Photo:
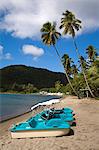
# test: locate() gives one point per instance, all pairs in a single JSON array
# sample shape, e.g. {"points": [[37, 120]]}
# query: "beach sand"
{"points": [[85, 136]]}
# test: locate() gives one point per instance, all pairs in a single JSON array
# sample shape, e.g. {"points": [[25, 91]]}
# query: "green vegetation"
{"points": [[80, 80], [23, 79], [92, 73], [91, 68]]}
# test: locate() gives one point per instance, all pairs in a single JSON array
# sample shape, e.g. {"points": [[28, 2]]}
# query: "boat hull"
{"points": [[39, 133]]}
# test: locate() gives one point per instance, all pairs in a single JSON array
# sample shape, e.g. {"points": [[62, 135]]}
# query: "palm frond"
{"points": [[69, 21], [49, 33]]}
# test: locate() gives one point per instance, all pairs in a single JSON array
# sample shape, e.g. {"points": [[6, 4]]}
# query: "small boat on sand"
{"points": [[50, 122], [53, 113], [33, 128]]}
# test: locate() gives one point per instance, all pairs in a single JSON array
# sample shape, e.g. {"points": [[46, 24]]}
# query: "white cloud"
{"points": [[1, 52], [6, 56], [24, 18], [32, 50], [1, 49]]}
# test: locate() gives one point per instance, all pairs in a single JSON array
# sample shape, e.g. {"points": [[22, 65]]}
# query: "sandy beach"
{"points": [[85, 136]]}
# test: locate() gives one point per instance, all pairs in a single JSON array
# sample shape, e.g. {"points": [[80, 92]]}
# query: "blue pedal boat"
{"points": [[35, 128], [53, 113], [64, 110]]}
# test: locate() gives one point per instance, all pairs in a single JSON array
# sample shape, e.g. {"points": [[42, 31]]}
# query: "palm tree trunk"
{"points": [[82, 68], [65, 72]]}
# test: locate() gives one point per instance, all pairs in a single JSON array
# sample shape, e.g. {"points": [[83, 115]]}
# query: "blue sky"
{"points": [[20, 41]]}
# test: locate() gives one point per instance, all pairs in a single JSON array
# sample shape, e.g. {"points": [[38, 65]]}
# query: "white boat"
{"points": [[32, 128]]}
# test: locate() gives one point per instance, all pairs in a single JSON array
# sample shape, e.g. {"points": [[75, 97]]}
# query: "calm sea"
{"points": [[15, 104]]}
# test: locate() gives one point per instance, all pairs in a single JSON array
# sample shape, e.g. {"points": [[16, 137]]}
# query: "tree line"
{"points": [[70, 25]]}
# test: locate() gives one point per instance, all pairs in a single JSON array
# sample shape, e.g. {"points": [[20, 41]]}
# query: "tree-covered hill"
{"points": [[23, 75]]}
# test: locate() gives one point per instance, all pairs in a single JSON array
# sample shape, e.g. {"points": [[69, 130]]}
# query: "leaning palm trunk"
{"points": [[65, 72], [83, 69]]}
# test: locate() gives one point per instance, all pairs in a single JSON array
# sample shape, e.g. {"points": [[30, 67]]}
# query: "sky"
{"points": [[20, 37]]}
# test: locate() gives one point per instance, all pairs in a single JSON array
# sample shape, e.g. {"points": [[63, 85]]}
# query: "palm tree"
{"points": [[74, 70], [71, 25], [92, 54], [49, 37], [67, 63], [83, 62]]}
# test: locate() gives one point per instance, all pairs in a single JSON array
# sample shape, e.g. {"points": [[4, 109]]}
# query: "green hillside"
{"points": [[16, 76]]}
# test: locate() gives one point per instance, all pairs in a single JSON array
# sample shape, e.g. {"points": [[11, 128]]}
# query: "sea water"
{"points": [[12, 105]]}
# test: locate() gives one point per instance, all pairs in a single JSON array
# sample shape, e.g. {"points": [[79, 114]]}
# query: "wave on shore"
{"points": [[50, 102]]}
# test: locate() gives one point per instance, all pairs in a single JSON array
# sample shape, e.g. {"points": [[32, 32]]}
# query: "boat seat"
{"points": [[48, 116], [45, 117], [33, 123], [58, 111]]}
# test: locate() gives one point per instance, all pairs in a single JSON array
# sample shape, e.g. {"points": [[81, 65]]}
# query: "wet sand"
{"points": [[85, 136]]}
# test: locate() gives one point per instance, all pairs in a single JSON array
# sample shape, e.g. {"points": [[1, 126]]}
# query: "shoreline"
{"points": [[85, 132], [55, 94], [37, 105], [18, 93], [15, 116]]}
